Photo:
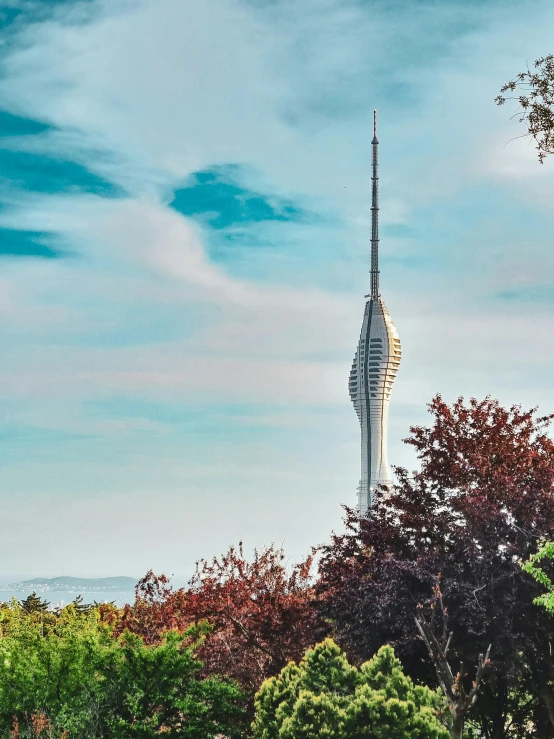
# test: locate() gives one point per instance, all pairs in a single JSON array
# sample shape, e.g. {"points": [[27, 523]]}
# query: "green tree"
{"points": [[68, 672], [81, 607], [545, 551], [326, 697], [155, 689], [50, 665]]}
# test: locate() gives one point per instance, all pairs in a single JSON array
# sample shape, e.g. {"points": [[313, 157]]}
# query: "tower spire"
{"points": [[374, 273], [374, 369]]}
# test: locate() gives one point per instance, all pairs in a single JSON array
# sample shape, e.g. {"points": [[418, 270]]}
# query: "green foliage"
{"points": [[545, 551], [81, 607], [155, 689], [49, 664], [68, 671], [326, 697], [536, 100]]}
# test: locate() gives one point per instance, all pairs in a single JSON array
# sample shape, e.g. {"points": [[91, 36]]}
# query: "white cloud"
{"points": [[166, 86]]}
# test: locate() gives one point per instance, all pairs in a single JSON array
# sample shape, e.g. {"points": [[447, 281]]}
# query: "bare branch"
{"points": [[459, 701]]}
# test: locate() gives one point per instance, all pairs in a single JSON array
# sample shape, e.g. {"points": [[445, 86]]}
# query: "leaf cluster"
{"points": [[536, 100], [325, 696], [260, 609], [545, 551]]}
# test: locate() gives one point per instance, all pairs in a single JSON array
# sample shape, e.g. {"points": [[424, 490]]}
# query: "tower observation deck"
{"points": [[375, 365]]}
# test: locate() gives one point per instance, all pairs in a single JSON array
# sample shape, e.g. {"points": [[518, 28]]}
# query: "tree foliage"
{"points": [[477, 507], [48, 665], [153, 690], [545, 551], [33, 604], [68, 672], [325, 696], [536, 100], [260, 612], [158, 608]]}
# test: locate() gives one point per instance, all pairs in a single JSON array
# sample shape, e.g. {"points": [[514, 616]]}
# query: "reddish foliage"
{"points": [[109, 614], [157, 608], [483, 497], [483, 452], [39, 725], [262, 613]]}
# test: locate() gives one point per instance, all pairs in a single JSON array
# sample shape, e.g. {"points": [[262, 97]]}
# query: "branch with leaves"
{"points": [[545, 551], [437, 640], [536, 100]]}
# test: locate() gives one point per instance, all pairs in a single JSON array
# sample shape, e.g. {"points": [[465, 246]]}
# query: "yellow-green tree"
{"points": [[325, 697], [545, 551]]}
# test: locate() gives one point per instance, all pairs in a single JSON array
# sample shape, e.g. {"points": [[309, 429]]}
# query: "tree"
{"points": [[72, 674], [545, 551], [459, 700], [158, 608], [80, 606], [480, 502], [261, 612], [49, 667], [325, 696], [537, 103], [156, 690], [33, 604]]}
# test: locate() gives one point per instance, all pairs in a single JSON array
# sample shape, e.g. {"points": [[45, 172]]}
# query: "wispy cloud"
{"points": [[201, 171]]}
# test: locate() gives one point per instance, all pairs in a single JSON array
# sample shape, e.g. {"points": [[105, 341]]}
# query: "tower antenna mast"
{"points": [[374, 273], [374, 368]]}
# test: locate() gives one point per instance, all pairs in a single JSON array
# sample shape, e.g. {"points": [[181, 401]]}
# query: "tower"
{"points": [[375, 365]]}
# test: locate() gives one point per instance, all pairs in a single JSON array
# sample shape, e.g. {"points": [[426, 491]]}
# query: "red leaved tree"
{"points": [[483, 497], [157, 608], [261, 611]]}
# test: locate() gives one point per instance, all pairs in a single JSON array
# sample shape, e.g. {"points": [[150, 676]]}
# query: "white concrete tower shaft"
{"points": [[374, 367]]}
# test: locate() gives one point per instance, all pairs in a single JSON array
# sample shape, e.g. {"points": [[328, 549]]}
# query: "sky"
{"points": [[184, 228]]}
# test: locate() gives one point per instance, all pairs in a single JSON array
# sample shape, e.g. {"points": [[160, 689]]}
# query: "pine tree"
{"points": [[81, 607], [326, 697], [33, 604]]}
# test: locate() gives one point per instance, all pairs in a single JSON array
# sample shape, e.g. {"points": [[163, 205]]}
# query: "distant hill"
{"points": [[72, 584]]}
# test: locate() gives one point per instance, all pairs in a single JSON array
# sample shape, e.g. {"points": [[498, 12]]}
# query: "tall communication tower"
{"points": [[375, 365]]}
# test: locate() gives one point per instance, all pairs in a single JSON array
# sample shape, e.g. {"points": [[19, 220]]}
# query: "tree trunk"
{"points": [[499, 726], [457, 728], [548, 700], [543, 722], [498, 710]]}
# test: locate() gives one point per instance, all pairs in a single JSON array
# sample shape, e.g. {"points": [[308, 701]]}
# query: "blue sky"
{"points": [[184, 232]]}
